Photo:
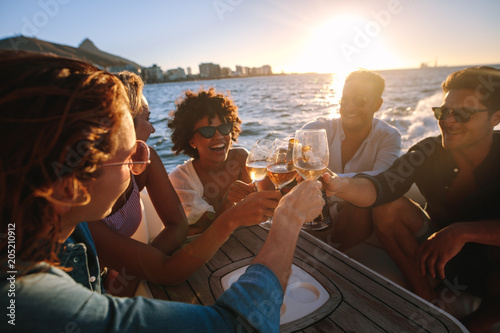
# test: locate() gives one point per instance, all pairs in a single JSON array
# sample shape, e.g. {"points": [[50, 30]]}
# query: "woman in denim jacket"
{"points": [[73, 165]]}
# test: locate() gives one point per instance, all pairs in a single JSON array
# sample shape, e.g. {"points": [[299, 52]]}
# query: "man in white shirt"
{"points": [[358, 143]]}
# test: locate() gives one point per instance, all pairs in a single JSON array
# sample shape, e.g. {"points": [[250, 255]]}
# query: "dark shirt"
{"points": [[433, 169]]}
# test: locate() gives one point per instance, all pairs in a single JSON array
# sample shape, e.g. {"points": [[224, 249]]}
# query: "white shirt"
{"points": [[189, 188], [377, 152]]}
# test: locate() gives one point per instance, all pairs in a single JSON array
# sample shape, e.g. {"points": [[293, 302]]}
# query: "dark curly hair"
{"points": [[192, 108]]}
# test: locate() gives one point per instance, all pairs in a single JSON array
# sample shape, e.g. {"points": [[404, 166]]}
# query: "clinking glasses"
{"points": [[462, 115], [209, 131], [359, 100], [139, 159]]}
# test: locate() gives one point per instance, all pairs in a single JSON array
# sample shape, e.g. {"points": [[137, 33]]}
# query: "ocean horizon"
{"points": [[275, 106]]}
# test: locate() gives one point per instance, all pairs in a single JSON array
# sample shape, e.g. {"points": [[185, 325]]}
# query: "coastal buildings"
{"points": [[152, 74], [208, 70], [175, 74]]}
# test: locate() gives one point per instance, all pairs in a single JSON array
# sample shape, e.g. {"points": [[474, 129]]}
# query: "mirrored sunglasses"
{"points": [[462, 115], [209, 131], [359, 101], [139, 159]]}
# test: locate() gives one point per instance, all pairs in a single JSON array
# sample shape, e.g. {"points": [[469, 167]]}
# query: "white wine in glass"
{"points": [[281, 174], [310, 158], [256, 163], [280, 168]]}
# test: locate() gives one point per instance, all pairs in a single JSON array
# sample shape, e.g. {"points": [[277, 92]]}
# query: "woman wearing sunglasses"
{"points": [[72, 167], [214, 180]]}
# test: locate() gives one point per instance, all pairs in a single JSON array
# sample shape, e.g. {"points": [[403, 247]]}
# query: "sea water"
{"points": [[275, 106]]}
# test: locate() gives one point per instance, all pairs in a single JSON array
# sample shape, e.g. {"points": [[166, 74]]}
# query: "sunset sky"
{"points": [[322, 36]]}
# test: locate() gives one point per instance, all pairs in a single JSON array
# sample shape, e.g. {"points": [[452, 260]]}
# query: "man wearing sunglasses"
{"points": [[456, 240], [358, 142]]}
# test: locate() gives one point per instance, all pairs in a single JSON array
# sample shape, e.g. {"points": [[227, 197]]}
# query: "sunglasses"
{"points": [[462, 115], [139, 159], [359, 101], [209, 131]]}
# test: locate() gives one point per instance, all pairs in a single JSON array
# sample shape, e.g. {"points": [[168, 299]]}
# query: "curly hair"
{"points": [[58, 117], [192, 108]]}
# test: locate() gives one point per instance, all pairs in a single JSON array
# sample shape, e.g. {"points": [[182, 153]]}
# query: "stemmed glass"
{"points": [[256, 161], [310, 158], [280, 168]]}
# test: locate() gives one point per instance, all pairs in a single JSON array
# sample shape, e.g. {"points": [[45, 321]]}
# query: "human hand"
{"points": [[302, 204], [255, 208], [433, 254], [331, 182], [238, 191], [265, 184]]}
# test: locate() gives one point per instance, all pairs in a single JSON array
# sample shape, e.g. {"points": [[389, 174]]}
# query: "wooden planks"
{"points": [[360, 300]]}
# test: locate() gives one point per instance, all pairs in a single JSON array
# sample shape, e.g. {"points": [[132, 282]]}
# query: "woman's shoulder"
{"points": [[237, 159], [238, 153]]}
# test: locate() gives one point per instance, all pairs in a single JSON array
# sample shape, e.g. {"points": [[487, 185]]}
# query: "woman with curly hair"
{"points": [[214, 181]]}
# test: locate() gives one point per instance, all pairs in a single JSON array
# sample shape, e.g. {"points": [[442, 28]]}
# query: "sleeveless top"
{"points": [[127, 219]]}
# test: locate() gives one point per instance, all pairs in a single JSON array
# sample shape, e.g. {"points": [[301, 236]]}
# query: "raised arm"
{"points": [[357, 191], [135, 259], [302, 204]]}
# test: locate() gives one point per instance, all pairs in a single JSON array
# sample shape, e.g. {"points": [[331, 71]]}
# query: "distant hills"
{"points": [[87, 51]]}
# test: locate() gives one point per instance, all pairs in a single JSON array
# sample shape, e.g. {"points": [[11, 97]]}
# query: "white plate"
{"points": [[303, 295]]}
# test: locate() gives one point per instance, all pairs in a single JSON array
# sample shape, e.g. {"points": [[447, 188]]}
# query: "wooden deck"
{"points": [[360, 300]]}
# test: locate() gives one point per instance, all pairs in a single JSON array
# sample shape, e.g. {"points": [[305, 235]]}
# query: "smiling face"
{"points": [[354, 117], [214, 149], [469, 135]]}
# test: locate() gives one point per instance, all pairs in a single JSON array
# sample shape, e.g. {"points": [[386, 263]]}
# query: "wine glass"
{"points": [[280, 168], [256, 161], [310, 158]]}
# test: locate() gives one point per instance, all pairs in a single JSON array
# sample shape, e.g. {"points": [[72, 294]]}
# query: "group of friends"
{"points": [[70, 198]]}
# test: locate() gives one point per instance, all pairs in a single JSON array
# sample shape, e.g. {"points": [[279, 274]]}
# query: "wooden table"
{"points": [[360, 300]]}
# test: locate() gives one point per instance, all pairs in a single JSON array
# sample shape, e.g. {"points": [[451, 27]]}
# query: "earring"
{"points": [[194, 147]]}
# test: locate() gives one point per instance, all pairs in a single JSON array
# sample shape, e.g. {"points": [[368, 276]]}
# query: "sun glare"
{"points": [[343, 44]]}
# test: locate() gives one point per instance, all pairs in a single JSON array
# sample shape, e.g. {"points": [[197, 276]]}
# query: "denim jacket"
{"points": [[49, 300], [82, 258]]}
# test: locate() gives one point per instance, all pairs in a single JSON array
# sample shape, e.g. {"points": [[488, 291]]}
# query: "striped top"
{"points": [[127, 219]]}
